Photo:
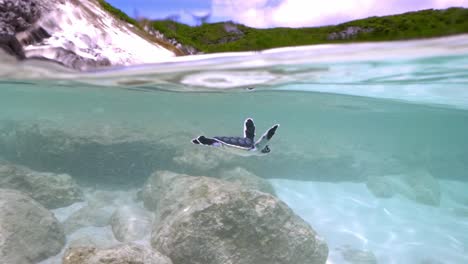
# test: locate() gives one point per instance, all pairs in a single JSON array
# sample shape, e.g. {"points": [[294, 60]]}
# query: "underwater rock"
{"points": [[356, 256], [371, 163], [207, 220], [381, 186], [201, 159], [121, 254], [425, 187], [455, 191], [459, 211], [121, 156], [101, 198], [419, 186], [101, 206], [91, 215], [149, 193], [29, 233], [99, 237], [51, 190], [247, 179], [64, 212], [123, 159], [430, 261], [130, 223], [327, 168]]}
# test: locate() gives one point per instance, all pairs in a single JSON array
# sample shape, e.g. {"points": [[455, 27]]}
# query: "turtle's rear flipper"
{"points": [[271, 131], [205, 141], [261, 143]]}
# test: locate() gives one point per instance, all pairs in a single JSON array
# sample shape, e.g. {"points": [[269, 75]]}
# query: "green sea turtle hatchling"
{"points": [[244, 146]]}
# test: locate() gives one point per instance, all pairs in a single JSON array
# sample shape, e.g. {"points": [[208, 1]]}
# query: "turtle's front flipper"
{"points": [[249, 129], [205, 141], [261, 143]]}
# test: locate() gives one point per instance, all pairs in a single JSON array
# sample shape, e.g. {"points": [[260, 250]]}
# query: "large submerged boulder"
{"points": [[29, 233], [419, 186], [121, 254], [237, 175], [50, 189], [211, 221]]}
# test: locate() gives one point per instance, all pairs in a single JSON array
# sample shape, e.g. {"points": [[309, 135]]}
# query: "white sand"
{"points": [[396, 230]]}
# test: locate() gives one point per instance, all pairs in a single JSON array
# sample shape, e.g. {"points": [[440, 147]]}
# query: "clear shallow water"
{"points": [[348, 113], [396, 230]]}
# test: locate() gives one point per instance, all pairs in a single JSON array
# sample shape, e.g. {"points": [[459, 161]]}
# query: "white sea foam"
{"points": [[432, 71]]}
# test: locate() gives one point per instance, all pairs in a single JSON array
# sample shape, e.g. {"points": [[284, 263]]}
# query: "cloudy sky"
{"points": [[274, 13]]}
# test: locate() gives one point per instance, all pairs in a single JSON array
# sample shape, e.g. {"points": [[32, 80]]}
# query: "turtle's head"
{"points": [[265, 150]]}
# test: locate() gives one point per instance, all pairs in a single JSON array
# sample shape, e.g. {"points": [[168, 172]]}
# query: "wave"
{"points": [[430, 71]]}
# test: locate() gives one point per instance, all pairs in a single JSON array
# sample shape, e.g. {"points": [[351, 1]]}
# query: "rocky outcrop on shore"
{"points": [[29, 233], [349, 33], [184, 49], [77, 34], [11, 46], [18, 16]]}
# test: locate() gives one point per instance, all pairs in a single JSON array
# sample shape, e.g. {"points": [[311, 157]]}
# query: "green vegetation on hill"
{"points": [[229, 36], [221, 37], [119, 14], [421, 24]]}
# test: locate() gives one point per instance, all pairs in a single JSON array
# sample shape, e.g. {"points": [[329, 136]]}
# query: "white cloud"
{"points": [[294, 13], [301, 13], [254, 13]]}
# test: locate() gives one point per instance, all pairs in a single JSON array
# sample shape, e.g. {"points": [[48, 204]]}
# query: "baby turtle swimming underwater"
{"points": [[244, 146]]}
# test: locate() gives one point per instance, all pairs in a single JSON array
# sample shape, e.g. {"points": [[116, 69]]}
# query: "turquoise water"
{"points": [[348, 114]]}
